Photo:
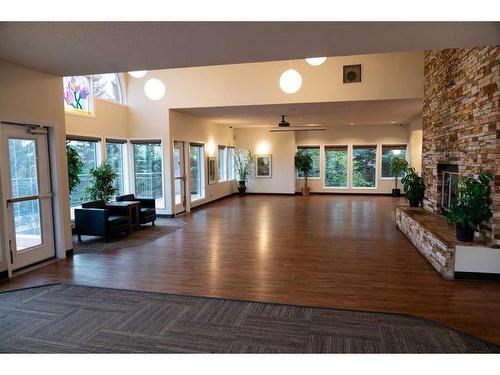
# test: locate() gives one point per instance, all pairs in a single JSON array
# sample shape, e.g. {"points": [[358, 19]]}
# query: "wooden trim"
{"points": [[196, 144], [4, 275], [116, 140], [477, 276], [145, 141], [71, 137]]}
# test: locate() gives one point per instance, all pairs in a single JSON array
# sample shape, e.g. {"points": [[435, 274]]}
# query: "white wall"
{"points": [[33, 97], [186, 128], [281, 147], [415, 136]]}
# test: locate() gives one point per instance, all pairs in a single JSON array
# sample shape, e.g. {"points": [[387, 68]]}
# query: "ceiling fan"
{"points": [[284, 126]]}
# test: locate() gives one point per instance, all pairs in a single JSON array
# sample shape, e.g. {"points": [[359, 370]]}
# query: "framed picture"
{"points": [[264, 166], [212, 170]]}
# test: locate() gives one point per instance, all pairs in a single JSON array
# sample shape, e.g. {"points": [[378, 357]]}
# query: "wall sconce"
{"points": [[210, 148], [262, 148]]}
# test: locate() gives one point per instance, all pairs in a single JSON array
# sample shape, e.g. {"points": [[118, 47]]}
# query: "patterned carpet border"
{"points": [[81, 318]]}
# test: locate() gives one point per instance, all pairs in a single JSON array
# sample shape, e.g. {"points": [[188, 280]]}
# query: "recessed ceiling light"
{"points": [[315, 61], [290, 81], [351, 123], [393, 122], [154, 89], [138, 73]]}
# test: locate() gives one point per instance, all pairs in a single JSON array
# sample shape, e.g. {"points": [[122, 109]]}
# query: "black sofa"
{"points": [[96, 219], [147, 212]]}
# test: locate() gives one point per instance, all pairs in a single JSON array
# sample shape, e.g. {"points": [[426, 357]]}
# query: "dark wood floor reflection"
{"points": [[323, 250]]}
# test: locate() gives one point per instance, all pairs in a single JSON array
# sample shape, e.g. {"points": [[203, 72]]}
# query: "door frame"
{"points": [[56, 142], [183, 178]]}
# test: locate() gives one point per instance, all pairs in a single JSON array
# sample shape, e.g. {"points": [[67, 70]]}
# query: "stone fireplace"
{"points": [[460, 116]]}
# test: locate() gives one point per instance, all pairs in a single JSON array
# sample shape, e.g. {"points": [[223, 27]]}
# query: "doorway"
{"points": [[26, 194], [179, 178]]}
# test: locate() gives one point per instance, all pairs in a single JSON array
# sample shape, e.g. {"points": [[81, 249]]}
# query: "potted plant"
{"points": [[398, 167], [101, 184], [243, 164], [414, 187], [471, 206], [304, 164], [75, 166]]}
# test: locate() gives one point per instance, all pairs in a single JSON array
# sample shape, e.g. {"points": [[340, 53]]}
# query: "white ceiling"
{"points": [[66, 48], [373, 112]]}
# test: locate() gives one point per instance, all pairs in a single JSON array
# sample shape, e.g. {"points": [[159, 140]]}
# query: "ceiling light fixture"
{"points": [[351, 123], [315, 61], [290, 81], [154, 89], [138, 73]]}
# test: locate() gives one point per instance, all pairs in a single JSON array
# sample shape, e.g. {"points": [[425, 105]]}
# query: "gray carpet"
{"points": [[136, 238], [70, 318]]}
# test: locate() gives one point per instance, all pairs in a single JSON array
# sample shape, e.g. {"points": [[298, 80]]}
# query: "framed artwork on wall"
{"points": [[264, 166], [212, 170]]}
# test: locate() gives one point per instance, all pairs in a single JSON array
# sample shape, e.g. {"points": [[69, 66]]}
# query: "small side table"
{"points": [[133, 208]]}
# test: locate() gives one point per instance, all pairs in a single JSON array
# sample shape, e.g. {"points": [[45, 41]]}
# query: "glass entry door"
{"points": [[26, 195], [179, 177]]}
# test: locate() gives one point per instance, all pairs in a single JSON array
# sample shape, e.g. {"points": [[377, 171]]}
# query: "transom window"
{"points": [[108, 87], [312, 151]]}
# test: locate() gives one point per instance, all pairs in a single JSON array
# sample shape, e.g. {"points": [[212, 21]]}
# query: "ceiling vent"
{"points": [[352, 73]]}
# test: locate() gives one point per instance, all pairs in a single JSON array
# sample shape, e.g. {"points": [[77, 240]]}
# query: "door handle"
{"points": [[28, 198]]}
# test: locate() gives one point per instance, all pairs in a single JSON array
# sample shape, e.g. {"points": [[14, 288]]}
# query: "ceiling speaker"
{"points": [[352, 73]]}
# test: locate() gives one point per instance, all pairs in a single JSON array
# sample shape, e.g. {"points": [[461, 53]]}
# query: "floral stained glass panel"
{"points": [[77, 95]]}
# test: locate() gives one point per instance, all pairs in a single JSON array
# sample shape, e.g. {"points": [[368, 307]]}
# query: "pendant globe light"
{"points": [[154, 89], [290, 81], [315, 61], [138, 73]]}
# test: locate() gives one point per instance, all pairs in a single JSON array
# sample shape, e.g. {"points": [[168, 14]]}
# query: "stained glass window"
{"points": [[77, 95]]}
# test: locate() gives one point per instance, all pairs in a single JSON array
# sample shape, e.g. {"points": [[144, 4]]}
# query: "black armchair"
{"points": [[95, 219], [147, 212]]}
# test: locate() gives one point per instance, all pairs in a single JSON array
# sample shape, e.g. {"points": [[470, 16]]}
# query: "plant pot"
{"points": [[396, 193], [464, 234], [306, 190], [242, 188], [414, 202]]}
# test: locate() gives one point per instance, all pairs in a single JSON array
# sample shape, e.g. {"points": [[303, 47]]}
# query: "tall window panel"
{"points": [[388, 154], [336, 166], [148, 169], [313, 151], [115, 152], [196, 171], [230, 163], [364, 166], [222, 163], [88, 153]]}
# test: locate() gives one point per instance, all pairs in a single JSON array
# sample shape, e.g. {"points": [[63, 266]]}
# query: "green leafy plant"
{"points": [[75, 165], [243, 164], [472, 202], [101, 184], [398, 167], [413, 185], [304, 164]]}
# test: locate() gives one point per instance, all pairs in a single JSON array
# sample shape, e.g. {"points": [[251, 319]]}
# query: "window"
{"points": [[108, 87], [87, 150], [78, 95], [115, 157], [388, 154], [336, 166], [230, 163], [148, 169], [222, 166], [363, 166], [196, 171], [313, 151]]}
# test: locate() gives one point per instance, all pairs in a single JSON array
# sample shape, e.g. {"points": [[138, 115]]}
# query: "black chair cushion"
{"points": [[127, 197], [94, 204], [147, 211], [117, 220]]}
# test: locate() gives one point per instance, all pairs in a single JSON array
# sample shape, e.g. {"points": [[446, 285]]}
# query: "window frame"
{"points": [[132, 187], [202, 172], [230, 176], [121, 83], [224, 161], [124, 157], [348, 169], [299, 147], [357, 145], [382, 154]]}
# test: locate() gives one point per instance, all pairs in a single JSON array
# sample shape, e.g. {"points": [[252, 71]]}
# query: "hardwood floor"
{"points": [[324, 250]]}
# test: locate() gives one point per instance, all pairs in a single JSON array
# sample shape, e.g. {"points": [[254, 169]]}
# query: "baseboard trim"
{"points": [[69, 252], [349, 193], [477, 276], [4, 275], [257, 193]]}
